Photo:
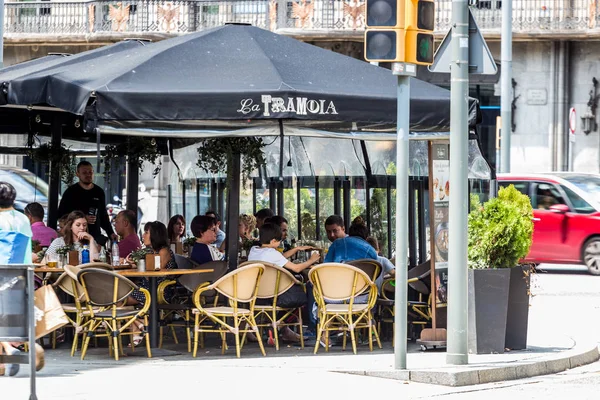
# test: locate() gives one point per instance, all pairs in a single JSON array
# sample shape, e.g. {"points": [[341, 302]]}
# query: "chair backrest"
{"points": [[99, 265], [68, 284], [104, 288], [192, 281], [241, 284], [184, 262], [269, 286], [422, 272], [371, 267], [338, 282]]}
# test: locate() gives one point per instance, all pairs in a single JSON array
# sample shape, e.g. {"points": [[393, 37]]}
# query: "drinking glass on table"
{"points": [[53, 260]]}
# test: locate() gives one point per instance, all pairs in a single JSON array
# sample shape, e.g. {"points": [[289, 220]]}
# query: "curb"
{"points": [[475, 375]]}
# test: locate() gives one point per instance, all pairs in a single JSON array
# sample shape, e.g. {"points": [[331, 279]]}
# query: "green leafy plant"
{"points": [[500, 230], [135, 148], [64, 250], [139, 254], [216, 155], [189, 241], [61, 155]]}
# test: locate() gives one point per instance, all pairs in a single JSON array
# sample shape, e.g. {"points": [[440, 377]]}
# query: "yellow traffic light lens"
{"points": [[381, 13], [381, 45]]}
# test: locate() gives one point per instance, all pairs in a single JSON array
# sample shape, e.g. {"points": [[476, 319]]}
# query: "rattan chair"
{"points": [[238, 286], [183, 305], [76, 312], [274, 282], [109, 290], [337, 282], [371, 267]]}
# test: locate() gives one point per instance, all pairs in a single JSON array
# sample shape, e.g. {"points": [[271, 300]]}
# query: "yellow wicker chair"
{"points": [[67, 282], [341, 283], [239, 286], [108, 290], [183, 307], [274, 282]]}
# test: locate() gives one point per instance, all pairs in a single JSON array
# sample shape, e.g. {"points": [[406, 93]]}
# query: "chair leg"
{"points": [[223, 342], [187, 330], [236, 325], [260, 343], [275, 333], [75, 334], [300, 328], [377, 337], [352, 336], [91, 330], [147, 332], [175, 338], [371, 328], [197, 333], [53, 340], [160, 337]]}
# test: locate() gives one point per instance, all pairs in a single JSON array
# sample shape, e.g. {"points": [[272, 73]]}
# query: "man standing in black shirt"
{"points": [[88, 198]]}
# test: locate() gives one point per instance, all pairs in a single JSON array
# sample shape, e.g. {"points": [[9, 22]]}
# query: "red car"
{"points": [[566, 210]]}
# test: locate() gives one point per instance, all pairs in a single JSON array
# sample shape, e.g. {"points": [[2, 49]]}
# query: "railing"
{"points": [[181, 16]]}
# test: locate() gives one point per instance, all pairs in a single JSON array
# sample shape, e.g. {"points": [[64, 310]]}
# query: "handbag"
{"points": [[49, 314]]}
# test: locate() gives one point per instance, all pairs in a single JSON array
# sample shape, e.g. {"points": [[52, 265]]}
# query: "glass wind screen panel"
{"points": [[190, 203], [325, 207], [478, 166], [382, 156], [379, 218], [290, 205], [358, 198], [314, 157], [308, 213]]}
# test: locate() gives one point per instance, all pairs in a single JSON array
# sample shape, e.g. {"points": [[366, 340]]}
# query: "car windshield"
{"points": [[587, 183], [28, 190]]}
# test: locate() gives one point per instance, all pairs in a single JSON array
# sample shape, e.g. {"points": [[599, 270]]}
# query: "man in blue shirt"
{"points": [[220, 233]]}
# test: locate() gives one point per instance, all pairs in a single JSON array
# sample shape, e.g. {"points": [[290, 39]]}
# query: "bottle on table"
{"points": [[116, 260], [85, 254]]}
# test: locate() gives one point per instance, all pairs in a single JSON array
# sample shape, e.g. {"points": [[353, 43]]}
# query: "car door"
{"points": [[549, 227]]}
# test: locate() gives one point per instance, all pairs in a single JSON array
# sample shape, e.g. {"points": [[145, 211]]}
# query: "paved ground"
{"points": [[565, 314]]}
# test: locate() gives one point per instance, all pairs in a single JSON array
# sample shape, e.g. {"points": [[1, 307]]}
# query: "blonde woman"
{"points": [[246, 226]]}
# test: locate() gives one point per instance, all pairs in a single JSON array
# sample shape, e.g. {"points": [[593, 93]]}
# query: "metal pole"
{"points": [[54, 182], [1, 33], [506, 84], [401, 292], [457, 349], [31, 318]]}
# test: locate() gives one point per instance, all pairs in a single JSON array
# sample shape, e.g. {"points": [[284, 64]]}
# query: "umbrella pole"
{"points": [[233, 210]]}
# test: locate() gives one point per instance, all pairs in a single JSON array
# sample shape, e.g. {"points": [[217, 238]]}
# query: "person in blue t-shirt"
{"points": [[204, 228], [354, 246]]}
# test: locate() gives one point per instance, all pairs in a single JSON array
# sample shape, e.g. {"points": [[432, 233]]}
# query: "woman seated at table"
{"points": [[176, 228], [204, 228], [74, 235], [246, 229]]}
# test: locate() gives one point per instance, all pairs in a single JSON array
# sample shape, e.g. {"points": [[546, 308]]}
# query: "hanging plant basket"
{"points": [[216, 155], [138, 149], [60, 155]]}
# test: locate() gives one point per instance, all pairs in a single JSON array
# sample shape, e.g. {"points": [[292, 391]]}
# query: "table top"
{"points": [[165, 272], [134, 272]]}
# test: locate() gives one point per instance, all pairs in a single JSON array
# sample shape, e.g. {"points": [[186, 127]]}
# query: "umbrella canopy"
{"points": [[233, 72], [31, 77]]}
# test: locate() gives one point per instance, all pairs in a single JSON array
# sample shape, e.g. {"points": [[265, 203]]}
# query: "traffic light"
{"points": [[419, 25], [384, 37], [400, 31]]}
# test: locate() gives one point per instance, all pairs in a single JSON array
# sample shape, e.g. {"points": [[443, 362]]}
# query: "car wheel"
{"points": [[591, 255]]}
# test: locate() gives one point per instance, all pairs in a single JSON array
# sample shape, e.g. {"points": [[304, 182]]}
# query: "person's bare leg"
{"points": [[10, 369]]}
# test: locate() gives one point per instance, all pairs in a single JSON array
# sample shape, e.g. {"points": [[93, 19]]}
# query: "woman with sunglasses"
{"points": [[204, 228]]}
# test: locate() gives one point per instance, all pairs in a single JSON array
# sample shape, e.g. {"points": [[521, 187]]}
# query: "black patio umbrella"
{"points": [[32, 76], [233, 72]]}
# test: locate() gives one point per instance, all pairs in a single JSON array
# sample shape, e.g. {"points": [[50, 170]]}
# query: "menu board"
{"points": [[441, 196]]}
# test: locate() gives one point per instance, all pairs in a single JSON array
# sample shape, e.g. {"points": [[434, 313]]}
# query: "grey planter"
{"points": [[487, 308], [518, 309]]}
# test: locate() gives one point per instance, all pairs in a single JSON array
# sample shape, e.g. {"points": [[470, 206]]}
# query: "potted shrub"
{"points": [[500, 233], [139, 258]]}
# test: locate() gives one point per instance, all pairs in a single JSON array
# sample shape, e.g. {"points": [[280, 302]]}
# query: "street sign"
{"points": [[572, 120], [481, 61]]}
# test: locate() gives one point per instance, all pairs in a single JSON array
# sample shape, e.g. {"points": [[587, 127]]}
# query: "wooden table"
{"points": [[152, 278]]}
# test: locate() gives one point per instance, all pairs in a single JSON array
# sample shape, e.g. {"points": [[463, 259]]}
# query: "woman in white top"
{"points": [[74, 234]]}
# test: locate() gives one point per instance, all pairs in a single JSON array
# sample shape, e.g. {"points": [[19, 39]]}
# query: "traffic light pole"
{"points": [[457, 345], [404, 72]]}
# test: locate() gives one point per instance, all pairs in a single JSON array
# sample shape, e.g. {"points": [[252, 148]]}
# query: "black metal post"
{"points": [[368, 203], [272, 195], [317, 210], [298, 208], [221, 196], [280, 205], [233, 212], [337, 201], [197, 196], [346, 200], [213, 194], [183, 201], [133, 180], [54, 181], [254, 196], [422, 203]]}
